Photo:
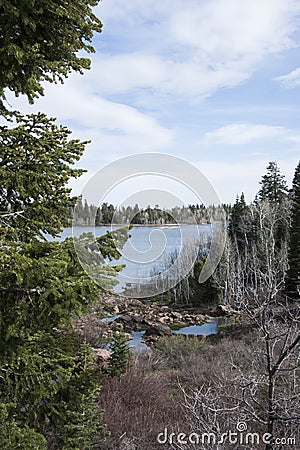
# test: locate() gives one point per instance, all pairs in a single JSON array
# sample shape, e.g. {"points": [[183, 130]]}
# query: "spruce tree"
{"points": [[36, 158], [237, 228], [45, 378], [120, 355], [293, 275], [48, 380], [273, 185], [274, 192], [40, 41]]}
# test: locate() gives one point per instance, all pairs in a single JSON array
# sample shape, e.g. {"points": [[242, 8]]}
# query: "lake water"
{"points": [[149, 249], [207, 328]]}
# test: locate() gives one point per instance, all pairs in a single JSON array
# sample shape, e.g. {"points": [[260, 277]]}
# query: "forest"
{"points": [[237, 389], [106, 214]]}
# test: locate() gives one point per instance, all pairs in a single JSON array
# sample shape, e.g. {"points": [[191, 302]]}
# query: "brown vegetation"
{"points": [[192, 387]]}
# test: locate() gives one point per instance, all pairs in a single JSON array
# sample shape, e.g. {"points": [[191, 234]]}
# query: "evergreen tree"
{"points": [[237, 227], [98, 217], [107, 213], [45, 378], [48, 380], [86, 213], [293, 275], [41, 40], [274, 192], [200, 293], [273, 185], [120, 355], [78, 212], [35, 165]]}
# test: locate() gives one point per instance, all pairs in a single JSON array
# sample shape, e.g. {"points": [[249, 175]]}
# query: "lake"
{"points": [[207, 328], [150, 250]]}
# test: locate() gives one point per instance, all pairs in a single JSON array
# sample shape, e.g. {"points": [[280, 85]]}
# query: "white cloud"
{"points": [[242, 134], [122, 73], [113, 127], [224, 30], [145, 75], [290, 80], [192, 48]]}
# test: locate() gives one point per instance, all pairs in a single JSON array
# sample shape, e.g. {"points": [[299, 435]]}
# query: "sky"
{"points": [[215, 82]]}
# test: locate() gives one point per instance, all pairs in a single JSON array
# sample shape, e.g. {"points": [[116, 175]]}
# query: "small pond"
{"points": [[211, 327]]}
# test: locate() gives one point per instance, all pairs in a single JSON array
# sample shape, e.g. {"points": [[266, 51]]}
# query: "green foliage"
{"points": [[47, 376], [94, 252], [274, 193], [246, 223], [45, 371], [41, 286], [12, 436], [120, 354], [107, 212], [201, 293], [273, 185], [178, 346], [35, 159], [40, 41], [238, 223], [293, 275], [91, 215], [80, 423], [51, 385]]}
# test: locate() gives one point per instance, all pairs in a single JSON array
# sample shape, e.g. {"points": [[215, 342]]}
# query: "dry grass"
{"points": [[190, 387]]}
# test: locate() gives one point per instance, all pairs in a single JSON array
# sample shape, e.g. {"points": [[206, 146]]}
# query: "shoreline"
{"points": [[170, 225]]}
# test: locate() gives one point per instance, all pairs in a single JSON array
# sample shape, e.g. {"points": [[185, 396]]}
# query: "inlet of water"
{"points": [[211, 327]]}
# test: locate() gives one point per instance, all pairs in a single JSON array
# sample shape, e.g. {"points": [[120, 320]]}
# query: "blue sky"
{"points": [[216, 82]]}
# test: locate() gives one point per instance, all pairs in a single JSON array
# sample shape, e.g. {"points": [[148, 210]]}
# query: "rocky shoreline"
{"points": [[128, 315]]}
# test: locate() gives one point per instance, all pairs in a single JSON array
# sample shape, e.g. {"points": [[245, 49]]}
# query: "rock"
{"points": [[200, 319], [223, 310], [134, 303], [126, 318], [116, 310], [137, 319], [150, 318], [102, 355], [164, 319], [158, 329], [128, 336], [115, 326], [189, 319], [147, 323], [176, 315], [165, 308]]}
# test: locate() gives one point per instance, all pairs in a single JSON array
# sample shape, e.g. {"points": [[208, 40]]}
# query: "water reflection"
{"points": [[211, 327]]}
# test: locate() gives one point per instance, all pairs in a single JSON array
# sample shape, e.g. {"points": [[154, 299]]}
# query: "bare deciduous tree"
{"points": [[252, 281]]}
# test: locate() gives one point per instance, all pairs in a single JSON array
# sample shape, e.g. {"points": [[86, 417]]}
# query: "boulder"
{"points": [[126, 318], [223, 310], [200, 319], [128, 336], [158, 329], [165, 308], [137, 319], [176, 315], [134, 303], [116, 310], [164, 319], [101, 355], [188, 319]]}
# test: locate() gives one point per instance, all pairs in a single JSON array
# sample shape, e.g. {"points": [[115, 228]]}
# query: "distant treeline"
{"points": [[90, 215]]}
